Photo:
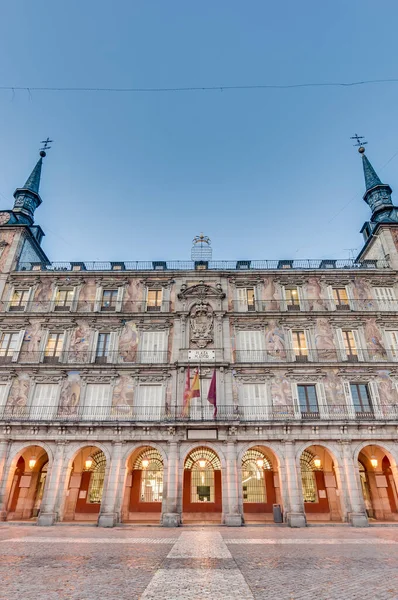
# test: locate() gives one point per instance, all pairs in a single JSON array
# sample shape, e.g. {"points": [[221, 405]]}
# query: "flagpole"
{"points": [[200, 388]]}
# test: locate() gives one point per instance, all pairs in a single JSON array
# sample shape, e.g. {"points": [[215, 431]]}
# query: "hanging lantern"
{"points": [[88, 463], [317, 462], [145, 463], [32, 462], [202, 463], [373, 461], [260, 463]]}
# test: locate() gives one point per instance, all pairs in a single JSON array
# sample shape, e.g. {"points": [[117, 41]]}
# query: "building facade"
{"points": [[97, 360]]}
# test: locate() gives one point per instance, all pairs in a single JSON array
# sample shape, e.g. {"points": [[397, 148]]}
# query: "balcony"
{"points": [[205, 414], [85, 306]]}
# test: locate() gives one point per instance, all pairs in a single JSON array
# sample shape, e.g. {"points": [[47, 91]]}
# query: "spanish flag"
{"points": [[195, 388], [190, 391]]}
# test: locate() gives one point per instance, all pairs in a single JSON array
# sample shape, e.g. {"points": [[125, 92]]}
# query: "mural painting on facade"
{"points": [[19, 393], [281, 394], [317, 295], [30, 349], [324, 342], [6, 240], [270, 295], [275, 341], [374, 341], [363, 294], [123, 395], [128, 343], [394, 234], [133, 297], [387, 389], [334, 392], [42, 299], [87, 296], [79, 343], [70, 394]]}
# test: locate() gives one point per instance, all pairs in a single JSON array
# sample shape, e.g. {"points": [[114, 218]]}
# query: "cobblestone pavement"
{"points": [[261, 563]]}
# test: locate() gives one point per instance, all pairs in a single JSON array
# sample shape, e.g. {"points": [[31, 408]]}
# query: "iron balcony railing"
{"points": [[129, 355], [83, 306], [205, 413], [218, 265]]}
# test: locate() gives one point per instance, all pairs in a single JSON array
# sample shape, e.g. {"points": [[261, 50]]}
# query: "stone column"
{"points": [[356, 511], [233, 518], [108, 517], [171, 517], [296, 515], [3, 479], [48, 515]]}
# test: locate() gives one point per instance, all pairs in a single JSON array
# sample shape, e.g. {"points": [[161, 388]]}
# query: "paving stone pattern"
{"points": [[261, 563]]}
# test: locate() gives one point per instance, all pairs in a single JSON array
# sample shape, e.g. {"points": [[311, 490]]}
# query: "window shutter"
{"points": [[310, 346], [392, 345], [283, 298], [322, 402], [15, 354], [44, 400], [93, 346], [64, 352], [291, 357], [4, 391], [30, 298], [242, 299], [73, 304], [119, 299], [97, 401], [348, 399], [332, 303], [375, 398], [10, 295], [358, 344], [351, 300], [43, 344], [296, 403], [113, 344], [53, 298], [385, 297], [302, 301], [340, 344], [150, 399], [98, 297]]}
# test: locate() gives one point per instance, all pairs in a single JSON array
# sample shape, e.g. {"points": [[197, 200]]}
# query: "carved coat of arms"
{"points": [[201, 322]]}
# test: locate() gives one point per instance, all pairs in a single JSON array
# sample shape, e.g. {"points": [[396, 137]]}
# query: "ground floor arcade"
{"points": [[177, 482]]}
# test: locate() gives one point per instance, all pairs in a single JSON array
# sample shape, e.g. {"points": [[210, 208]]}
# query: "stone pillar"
{"points": [[233, 518], [3, 480], [48, 515], [295, 516], [108, 517], [171, 516], [356, 512]]}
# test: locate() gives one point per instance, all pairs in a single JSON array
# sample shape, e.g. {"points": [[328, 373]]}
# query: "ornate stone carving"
{"points": [[201, 291], [201, 320], [232, 430]]}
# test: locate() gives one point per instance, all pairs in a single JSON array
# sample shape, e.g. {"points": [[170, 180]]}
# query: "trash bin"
{"points": [[276, 509]]}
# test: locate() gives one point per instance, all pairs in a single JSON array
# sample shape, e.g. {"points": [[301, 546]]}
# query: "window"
{"points": [[109, 299], [102, 350], [361, 398], [44, 400], [8, 345], [300, 347], [97, 401], [154, 300], [308, 480], [64, 299], [151, 475], [53, 350], [340, 298], [385, 297], [253, 479], [19, 300], [153, 347], [350, 346], [246, 299], [97, 478], [150, 402], [308, 401], [251, 346], [292, 298]]}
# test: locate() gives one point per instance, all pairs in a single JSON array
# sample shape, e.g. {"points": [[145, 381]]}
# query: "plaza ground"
{"points": [[278, 563]]}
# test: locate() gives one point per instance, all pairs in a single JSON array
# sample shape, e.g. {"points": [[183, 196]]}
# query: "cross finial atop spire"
{"points": [[360, 145], [45, 147]]}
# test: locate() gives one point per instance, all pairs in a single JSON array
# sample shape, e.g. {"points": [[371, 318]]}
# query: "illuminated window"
{"points": [[300, 347], [54, 345], [8, 344], [19, 300], [202, 462], [154, 300], [308, 477], [150, 463], [96, 486], [64, 299], [254, 463], [292, 297], [349, 343], [341, 298]]}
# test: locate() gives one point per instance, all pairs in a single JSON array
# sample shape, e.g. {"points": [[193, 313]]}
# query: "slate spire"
{"points": [[377, 194], [27, 198]]}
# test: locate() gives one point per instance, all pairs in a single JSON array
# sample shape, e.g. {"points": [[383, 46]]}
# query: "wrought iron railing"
{"points": [[205, 413], [218, 265]]}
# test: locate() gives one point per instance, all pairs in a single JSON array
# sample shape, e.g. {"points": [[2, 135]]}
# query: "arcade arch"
{"points": [[143, 492], [378, 477], [202, 486]]}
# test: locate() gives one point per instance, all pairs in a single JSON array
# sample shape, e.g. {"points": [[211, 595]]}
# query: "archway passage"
{"points": [[260, 485], [28, 484], [202, 491], [86, 485], [320, 485], [143, 495], [378, 483]]}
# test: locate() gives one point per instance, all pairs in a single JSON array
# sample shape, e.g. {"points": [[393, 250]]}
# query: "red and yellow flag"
{"points": [[195, 388], [191, 391]]}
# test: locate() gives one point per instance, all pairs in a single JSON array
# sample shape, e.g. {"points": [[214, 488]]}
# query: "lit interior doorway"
{"points": [[202, 490], [320, 485], [143, 494], [86, 485]]}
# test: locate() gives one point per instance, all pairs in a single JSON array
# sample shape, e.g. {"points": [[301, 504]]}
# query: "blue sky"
{"points": [[266, 174]]}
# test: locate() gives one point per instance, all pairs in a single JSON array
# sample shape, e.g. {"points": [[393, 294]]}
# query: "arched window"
{"points": [[202, 462], [97, 478], [253, 483], [150, 463], [308, 477]]}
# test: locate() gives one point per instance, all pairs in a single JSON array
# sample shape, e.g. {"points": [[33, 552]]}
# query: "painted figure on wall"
{"points": [[363, 294], [387, 389], [281, 394], [30, 350], [270, 295], [79, 343], [70, 393], [6, 240], [133, 300], [19, 393], [374, 341], [87, 296], [42, 298], [128, 342], [316, 294], [275, 341], [334, 391], [324, 342], [123, 394]]}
